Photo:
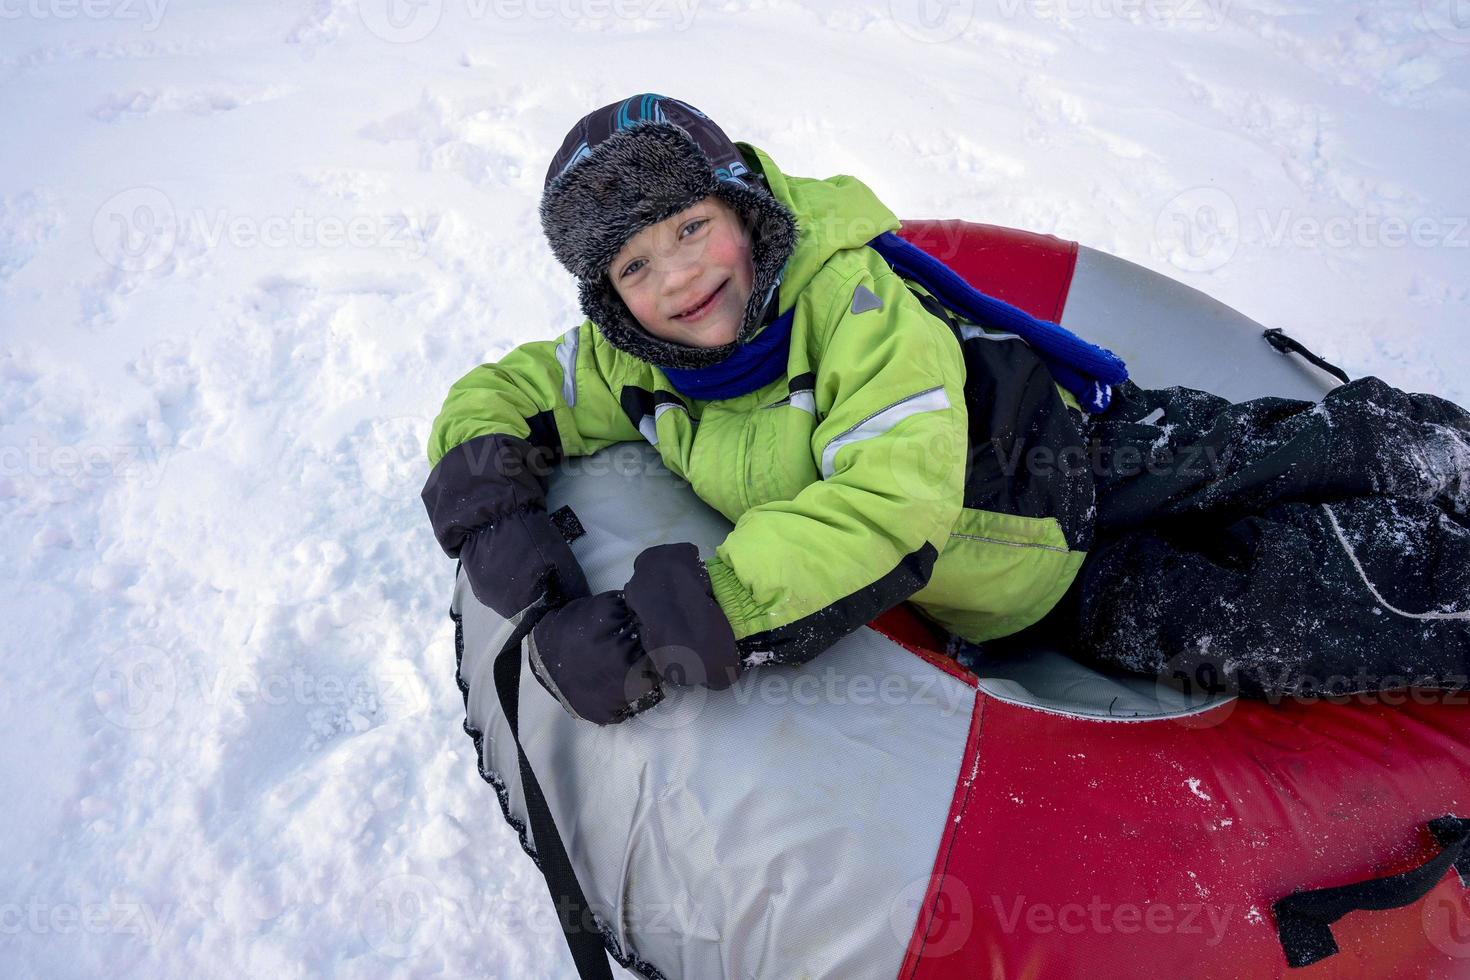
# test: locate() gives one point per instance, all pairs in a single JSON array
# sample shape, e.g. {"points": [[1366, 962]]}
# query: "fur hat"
{"points": [[616, 175]]}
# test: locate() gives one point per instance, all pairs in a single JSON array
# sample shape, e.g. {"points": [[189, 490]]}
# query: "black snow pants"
{"points": [[1278, 547]]}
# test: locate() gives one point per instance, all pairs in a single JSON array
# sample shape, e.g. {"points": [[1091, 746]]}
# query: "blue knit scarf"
{"points": [[755, 364]]}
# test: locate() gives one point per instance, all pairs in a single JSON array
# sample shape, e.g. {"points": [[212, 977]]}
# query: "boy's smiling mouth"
{"points": [[695, 312]]}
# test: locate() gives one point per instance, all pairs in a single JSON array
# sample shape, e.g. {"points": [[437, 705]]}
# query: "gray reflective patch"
{"points": [[864, 299], [649, 430], [971, 332], [566, 354], [875, 425]]}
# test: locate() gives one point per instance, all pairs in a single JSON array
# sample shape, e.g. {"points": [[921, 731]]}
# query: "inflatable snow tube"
{"points": [[882, 812]]}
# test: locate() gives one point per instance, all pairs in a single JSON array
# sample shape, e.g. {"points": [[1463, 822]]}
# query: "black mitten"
{"points": [[609, 656], [487, 503]]}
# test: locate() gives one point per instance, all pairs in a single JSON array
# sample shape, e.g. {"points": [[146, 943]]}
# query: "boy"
{"points": [[736, 321]]}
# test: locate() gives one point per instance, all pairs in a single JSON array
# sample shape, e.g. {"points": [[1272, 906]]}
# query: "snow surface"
{"points": [[245, 248]]}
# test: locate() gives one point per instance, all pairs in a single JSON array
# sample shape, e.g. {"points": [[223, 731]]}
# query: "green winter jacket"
{"points": [[882, 466]]}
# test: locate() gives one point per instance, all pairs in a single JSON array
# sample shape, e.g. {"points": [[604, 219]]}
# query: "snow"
{"points": [[245, 249], [1194, 785]]}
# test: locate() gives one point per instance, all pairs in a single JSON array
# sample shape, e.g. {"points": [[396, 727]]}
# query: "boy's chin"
{"points": [[715, 337]]}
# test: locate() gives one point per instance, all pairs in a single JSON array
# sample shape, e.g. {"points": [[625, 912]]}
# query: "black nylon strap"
{"points": [[566, 893], [1303, 918], [1279, 340]]}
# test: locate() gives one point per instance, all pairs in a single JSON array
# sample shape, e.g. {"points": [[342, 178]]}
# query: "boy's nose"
{"points": [[678, 276]]}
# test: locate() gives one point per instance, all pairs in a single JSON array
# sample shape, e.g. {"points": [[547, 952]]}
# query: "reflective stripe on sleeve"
{"points": [[566, 353], [877, 424]]}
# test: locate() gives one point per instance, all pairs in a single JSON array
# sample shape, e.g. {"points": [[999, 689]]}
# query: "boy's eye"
{"points": [[633, 266]]}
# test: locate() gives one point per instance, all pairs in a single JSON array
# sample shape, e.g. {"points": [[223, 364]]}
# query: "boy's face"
{"points": [[678, 263]]}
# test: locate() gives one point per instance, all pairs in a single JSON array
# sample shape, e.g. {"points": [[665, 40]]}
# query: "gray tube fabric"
{"points": [[1173, 334], [786, 826]]}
